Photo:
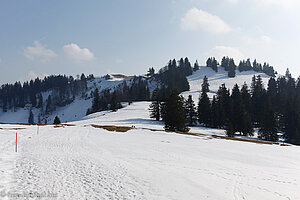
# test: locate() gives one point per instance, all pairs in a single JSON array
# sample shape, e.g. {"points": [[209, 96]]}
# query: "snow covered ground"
{"points": [[80, 161], [77, 109], [216, 79], [83, 162]]}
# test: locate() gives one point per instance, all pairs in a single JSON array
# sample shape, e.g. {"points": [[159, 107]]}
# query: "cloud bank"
{"points": [[77, 54], [196, 19], [39, 52]]}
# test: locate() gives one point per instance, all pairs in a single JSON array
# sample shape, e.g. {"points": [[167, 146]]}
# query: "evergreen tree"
{"points": [[196, 66], [268, 129], [56, 120], [230, 130], [96, 101], [246, 97], [190, 111], [204, 105], [115, 102], [40, 101], [33, 100], [31, 118], [288, 74], [49, 106], [225, 63], [151, 71], [292, 121], [175, 117], [237, 109], [155, 106], [231, 68], [212, 63], [205, 85], [214, 113], [258, 91], [224, 107]]}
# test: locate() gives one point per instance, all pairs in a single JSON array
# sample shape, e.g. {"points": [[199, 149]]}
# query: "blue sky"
{"points": [[39, 38]]}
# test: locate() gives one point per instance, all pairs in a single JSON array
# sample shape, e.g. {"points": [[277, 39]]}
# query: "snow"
{"points": [[216, 79], [83, 162], [77, 109], [79, 161]]}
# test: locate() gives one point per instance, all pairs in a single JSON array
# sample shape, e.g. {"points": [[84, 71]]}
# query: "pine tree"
{"points": [[205, 85], [223, 99], [175, 118], [268, 128], [190, 110], [115, 102], [196, 66], [203, 110], [49, 106], [230, 130], [292, 121], [31, 117], [214, 113], [258, 91], [288, 74], [155, 106], [40, 101], [246, 97], [236, 109], [96, 100], [56, 120], [231, 68]]}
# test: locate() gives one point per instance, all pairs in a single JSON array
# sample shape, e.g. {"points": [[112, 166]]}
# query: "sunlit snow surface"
{"points": [[82, 162]]}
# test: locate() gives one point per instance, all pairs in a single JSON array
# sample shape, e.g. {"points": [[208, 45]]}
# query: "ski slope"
{"points": [[83, 162]]}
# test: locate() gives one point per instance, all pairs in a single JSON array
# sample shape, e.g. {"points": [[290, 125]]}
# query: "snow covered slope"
{"points": [[216, 79], [77, 109], [83, 162]]}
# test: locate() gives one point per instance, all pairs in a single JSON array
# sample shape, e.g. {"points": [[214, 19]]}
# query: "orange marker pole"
{"points": [[16, 141]]}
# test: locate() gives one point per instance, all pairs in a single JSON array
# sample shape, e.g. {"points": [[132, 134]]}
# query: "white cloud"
{"points": [[196, 19], [77, 54], [219, 51], [39, 52], [285, 3], [264, 39], [282, 3]]}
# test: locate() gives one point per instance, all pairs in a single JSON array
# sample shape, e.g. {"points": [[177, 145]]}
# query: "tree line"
{"points": [[173, 75], [245, 65], [274, 111], [65, 88]]}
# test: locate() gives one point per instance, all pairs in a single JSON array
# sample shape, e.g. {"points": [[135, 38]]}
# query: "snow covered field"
{"points": [[83, 162]]}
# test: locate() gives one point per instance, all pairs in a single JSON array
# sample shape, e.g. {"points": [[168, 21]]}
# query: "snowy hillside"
{"points": [[77, 109], [83, 162], [216, 79]]}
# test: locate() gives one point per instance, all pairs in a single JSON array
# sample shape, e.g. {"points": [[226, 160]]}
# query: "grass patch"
{"points": [[223, 137], [113, 128]]}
